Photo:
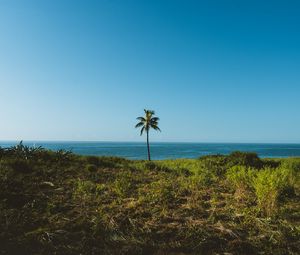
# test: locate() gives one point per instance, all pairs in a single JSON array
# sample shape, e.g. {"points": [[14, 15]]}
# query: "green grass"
{"points": [[61, 203]]}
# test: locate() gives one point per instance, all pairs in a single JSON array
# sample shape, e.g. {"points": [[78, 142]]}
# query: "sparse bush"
{"points": [[269, 184], [291, 167], [63, 156], [240, 177]]}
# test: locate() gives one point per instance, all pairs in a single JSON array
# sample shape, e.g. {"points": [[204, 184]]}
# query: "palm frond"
{"points": [[139, 124], [155, 119], [149, 112], [153, 122], [141, 118], [148, 121], [155, 127]]}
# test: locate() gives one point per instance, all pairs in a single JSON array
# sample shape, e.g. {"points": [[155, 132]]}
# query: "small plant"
{"points": [[100, 188], [83, 192], [63, 156], [291, 167], [268, 185], [240, 177], [123, 184]]}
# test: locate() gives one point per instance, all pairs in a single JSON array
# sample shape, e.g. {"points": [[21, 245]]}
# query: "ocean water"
{"points": [[159, 150]]}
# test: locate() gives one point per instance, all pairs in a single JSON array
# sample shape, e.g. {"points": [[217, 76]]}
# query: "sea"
{"points": [[164, 150]]}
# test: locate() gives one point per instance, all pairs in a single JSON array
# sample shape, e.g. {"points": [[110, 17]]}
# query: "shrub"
{"points": [[249, 159], [240, 177], [204, 176], [63, 156], [268, 185], [215, 163], [291, 167]]}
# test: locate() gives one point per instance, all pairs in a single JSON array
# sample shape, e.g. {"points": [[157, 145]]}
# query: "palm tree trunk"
{"points": [[148, 146]]}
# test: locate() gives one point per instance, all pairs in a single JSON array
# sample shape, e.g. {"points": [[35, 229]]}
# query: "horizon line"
{"points": [[113, 141]]}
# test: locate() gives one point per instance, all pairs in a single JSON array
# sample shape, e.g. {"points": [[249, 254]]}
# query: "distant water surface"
{"points": [[136, 150]]}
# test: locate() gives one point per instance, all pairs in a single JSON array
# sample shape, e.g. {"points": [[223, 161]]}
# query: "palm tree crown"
{"points": [[147, 122]]}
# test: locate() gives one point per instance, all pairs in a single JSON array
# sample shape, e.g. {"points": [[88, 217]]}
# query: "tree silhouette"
{"points": [[147, 122]]}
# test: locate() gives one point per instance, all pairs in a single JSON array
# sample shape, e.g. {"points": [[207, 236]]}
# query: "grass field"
{"points": [[61, 203]]}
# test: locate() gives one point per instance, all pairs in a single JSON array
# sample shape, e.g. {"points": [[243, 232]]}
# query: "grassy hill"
{"points": [[61, 203]]}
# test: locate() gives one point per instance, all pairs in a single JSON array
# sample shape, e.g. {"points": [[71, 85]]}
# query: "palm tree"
{"points": [[146, 123]]}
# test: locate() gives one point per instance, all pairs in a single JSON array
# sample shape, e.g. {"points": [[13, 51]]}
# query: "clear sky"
{"points": [[214, 71]]}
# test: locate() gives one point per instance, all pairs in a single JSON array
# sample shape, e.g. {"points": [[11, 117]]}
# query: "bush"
{"points": [[240, 177], [204, 176], [249, 159], [268, 185], [63, 156], [215, 163], [291, 167]]}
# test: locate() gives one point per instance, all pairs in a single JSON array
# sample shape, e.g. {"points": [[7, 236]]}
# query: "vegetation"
{"points": [[146, 123], [61, 203]]}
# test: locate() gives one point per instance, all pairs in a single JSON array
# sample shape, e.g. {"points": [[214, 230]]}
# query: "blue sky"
{"points": [[214, 71]]}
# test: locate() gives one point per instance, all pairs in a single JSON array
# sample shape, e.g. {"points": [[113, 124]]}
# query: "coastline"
{"points": [[137, 150]]}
